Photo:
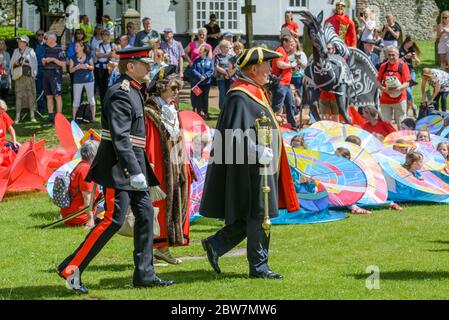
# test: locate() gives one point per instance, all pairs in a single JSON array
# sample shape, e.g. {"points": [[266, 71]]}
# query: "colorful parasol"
{"points": [[430, 184], [433, 160], [433, 123], [376, 191], [326, 125], [196, 192], [369, 142], [192, 126], [343, 179], [445, 133], [315, 139], [314, 202]]}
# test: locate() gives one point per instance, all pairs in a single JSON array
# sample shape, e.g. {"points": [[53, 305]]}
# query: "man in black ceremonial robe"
{"points": [[122, 168], [233, 184]]}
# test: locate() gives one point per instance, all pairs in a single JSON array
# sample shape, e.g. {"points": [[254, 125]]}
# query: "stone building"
{"points": [[416, 17]]}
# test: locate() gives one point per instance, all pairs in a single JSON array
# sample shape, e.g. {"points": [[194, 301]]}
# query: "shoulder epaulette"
{"points": [[125, 85]]}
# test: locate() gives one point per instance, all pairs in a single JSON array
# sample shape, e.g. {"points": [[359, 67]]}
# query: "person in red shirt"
{"points": [[374, 124], [343, 25], [328, 101], [81, 190], [393, 79], [6, 126], [282, 67], [291, 25]]}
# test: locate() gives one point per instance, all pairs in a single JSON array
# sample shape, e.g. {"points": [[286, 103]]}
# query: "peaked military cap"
{"points": [[256, 55], [135, 53]]}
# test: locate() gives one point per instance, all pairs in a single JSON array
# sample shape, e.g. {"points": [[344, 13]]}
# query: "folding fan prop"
{"points": [[343, 179]]}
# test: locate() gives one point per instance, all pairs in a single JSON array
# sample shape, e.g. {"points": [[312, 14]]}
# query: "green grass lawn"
{"points": [[322, 261]]}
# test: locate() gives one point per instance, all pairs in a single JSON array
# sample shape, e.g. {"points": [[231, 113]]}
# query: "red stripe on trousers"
{"points": [[94, 235]]}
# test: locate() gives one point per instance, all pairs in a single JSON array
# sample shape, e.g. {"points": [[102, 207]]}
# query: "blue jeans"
{"points": [[410, 89], [223, 87], [41, 103], [283, 96], [297, 82]]}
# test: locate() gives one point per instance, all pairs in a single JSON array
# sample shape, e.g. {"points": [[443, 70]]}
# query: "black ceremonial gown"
{"points": [[233, 191]]}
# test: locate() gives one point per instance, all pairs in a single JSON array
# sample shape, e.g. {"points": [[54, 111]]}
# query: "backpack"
{"points": [[61, 190], [84, 114], [385, 70]]}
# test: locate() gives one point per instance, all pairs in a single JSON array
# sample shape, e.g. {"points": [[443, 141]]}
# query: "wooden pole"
{"points": [[249, 23]]}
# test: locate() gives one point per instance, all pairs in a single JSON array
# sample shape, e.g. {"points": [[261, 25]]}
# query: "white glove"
{"points": [[265, 155], [139, 182]]}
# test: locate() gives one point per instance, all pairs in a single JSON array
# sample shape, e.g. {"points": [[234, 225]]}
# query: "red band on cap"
{"points": [[143, 54]]}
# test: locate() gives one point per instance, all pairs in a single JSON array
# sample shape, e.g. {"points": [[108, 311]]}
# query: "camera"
{"points": [[273, 82]]}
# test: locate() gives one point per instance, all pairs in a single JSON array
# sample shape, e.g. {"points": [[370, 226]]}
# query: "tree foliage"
{"points": [[442, 4]]}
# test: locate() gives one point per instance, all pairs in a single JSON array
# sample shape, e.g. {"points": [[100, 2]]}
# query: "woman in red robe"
{"points": [[165, 149]]}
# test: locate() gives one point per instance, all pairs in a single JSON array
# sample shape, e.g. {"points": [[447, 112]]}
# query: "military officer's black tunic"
{"points": [[116, 161]]}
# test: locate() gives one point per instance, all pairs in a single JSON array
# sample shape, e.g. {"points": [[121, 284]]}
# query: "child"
{"points": [[298, 142], [408, 124], [443, 148], [354, 139], [355, 209], [6, 125], [413, 163], [423, 135], [402, 146], [345, 153]]}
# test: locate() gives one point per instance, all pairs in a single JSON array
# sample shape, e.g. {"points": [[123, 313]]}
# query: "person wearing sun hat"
{"points": [[232, 189], [343, 25], [122, 168], [24, 71]]}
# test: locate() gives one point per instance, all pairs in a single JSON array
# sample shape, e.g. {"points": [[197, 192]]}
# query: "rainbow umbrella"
{"points": [[369, 142], [402, 185], [433, 123], [444, 133], [197, 187], [376, 191], [314, 205], [325, 125], [344, 180], [433, 160], [77, 133], [315, 139]]}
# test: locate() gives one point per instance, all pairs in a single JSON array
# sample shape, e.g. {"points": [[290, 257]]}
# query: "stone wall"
{"points": [[416, 17]]}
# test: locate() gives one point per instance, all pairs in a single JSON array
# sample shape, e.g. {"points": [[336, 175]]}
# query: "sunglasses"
{"points": [[40, 34], [174, 88]]}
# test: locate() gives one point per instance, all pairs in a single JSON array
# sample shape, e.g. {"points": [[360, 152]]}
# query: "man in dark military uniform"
{"points": [[233, 186], [122, 168]]}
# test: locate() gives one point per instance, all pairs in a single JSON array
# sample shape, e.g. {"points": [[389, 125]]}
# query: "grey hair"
{"points": [[391, 48], [51, 34], [89, 150], [203, 30]]}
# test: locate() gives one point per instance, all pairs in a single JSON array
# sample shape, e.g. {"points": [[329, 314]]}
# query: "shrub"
{"points": [[7, 33]]}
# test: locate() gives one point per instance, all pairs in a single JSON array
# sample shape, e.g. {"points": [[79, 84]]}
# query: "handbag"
{"points": [[127, 229], [17, 73]]}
